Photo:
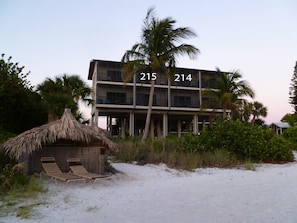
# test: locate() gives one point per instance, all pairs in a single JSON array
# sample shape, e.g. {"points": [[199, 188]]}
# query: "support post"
{"points": [[195, 124], [131, 124], [152, 128], [123, 128], [178, 128], [165, 125]]}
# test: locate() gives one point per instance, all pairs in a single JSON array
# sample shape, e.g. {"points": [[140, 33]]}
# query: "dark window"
{"points": [[142, 99], [182, 101], [114, 75], [115, 98]]}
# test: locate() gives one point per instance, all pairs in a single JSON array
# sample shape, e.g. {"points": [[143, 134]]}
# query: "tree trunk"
{"points": [[224, 113], [149, 112], [253, 119]]}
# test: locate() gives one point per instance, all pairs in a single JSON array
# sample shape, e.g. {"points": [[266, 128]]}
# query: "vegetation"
{"points": [[171, 151], [257, 109], [63, 92], [246, 141], [157, 53], [18, 193], [291, 135], [292, 118], [250, 112], [226, 144], [22, 108], [230, 90], [293, 90], [4, 135], [20, 105]]}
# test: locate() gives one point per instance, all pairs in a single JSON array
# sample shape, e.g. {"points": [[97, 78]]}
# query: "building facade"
{"points": [[179, 104]]}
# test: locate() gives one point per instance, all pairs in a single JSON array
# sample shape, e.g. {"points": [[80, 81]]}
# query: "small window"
{"points": [[182, 101], [115, 98], [143, 99], [114, 75]]}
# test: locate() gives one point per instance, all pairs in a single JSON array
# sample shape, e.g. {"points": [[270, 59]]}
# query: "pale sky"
{"points": [[257, 37]]}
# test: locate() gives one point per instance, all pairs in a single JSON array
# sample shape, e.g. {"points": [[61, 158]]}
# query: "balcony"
{"points": [[156, 102], [114, 101], [184, 101]]}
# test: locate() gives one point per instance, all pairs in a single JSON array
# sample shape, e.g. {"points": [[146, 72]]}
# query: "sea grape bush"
{"points": [[291, 134], [247, 141]]}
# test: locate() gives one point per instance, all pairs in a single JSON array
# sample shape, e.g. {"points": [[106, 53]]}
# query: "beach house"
{"points": [[180, 103]]}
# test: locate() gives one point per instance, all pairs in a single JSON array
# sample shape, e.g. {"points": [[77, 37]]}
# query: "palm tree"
{"points": [[63, 92], [229, 89], [157, 53], [257, 110], [242, 110]]}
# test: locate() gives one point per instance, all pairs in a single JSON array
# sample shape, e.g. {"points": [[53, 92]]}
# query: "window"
{"points": [[182, 101], [143, 99], [115, 98], [114, 75]]}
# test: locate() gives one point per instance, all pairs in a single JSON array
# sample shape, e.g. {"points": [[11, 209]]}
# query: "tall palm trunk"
{"points": [[224, 110], [149, 112]]}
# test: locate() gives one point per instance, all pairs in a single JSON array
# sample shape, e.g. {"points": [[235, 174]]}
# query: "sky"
{"points": [[256, 37]]}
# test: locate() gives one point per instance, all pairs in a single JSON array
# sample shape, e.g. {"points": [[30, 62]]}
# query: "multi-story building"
{"points": [[178, 102]]}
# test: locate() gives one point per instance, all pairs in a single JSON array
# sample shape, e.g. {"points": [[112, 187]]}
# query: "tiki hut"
{"points": [[62, 139]]}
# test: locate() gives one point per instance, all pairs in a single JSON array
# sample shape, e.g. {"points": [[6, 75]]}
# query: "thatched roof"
{"points": [[67, 128]]}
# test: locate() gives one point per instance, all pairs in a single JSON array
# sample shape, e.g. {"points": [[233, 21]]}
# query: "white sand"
{"points": [[155, 193]]}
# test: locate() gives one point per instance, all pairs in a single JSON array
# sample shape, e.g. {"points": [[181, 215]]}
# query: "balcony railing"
{"points": [[117, 101], [103, 76], [129, 101], [185, 104], [158, 102]]}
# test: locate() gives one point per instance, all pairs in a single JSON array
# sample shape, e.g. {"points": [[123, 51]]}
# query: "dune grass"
{"points": [[172, 152], [19, 194]]}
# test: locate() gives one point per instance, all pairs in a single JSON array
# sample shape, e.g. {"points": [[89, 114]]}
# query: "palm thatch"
{"points": [[67, 128]]}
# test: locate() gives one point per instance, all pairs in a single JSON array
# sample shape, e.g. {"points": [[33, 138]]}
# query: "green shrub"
{"points": [[4, 135], [291, 135], [11, 176], [278, 150], [226, 144], [247, 141]]}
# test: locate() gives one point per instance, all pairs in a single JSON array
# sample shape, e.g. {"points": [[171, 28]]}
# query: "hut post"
{"points": [[102, 160]]}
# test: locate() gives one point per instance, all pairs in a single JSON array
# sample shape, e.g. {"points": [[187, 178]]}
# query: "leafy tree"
{"points": [[157, 52], [290, 118], [293, 90], [230, 89], [63, 92], [20, 106]]}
